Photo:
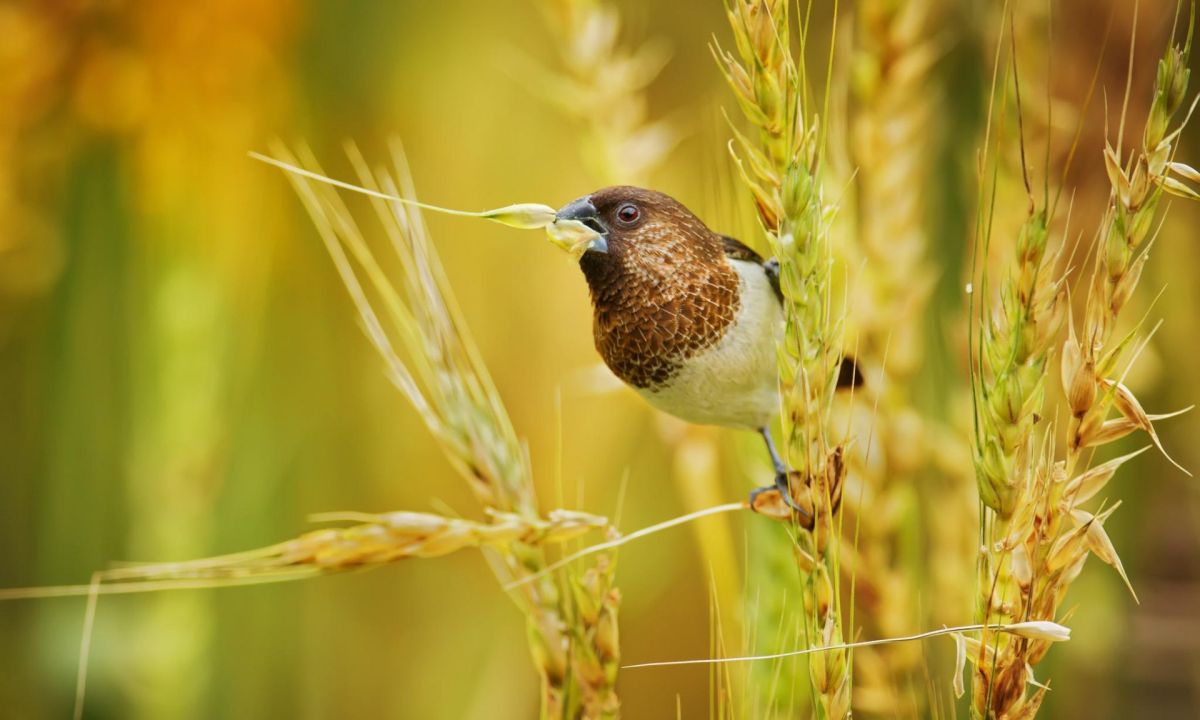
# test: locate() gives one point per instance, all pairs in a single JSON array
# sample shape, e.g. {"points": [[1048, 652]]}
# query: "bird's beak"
{"points": [[583, 211]]}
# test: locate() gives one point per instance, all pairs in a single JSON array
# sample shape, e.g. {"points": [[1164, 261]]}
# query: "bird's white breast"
{"points": [[732, 382]]}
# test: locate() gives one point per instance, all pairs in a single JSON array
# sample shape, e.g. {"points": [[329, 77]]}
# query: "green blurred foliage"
{"points": [[181, 373]]}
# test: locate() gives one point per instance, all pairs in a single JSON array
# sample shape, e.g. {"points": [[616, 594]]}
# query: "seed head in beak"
{"points": [[584, 212]]}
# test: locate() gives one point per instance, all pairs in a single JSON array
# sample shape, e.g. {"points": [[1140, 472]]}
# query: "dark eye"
{"points": [[628, 213]]}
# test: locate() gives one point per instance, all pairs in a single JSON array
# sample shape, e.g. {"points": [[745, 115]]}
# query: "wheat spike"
{"points": [[1037, 538]]}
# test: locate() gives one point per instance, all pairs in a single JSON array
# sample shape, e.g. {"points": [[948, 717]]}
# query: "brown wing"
{"points": [[848, 373], [737, 250]]}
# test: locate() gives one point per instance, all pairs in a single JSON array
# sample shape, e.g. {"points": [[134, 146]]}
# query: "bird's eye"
{"points": [[628, 213]]}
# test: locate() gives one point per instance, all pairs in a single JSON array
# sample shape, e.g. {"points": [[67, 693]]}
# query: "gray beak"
{"points": [[585, 212]]}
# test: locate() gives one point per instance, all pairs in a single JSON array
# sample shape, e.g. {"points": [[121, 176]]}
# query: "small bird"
{"points": [[687, 317]]}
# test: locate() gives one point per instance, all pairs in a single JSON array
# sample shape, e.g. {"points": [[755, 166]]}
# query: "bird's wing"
{"points": [[737, 250], [848, 373]]}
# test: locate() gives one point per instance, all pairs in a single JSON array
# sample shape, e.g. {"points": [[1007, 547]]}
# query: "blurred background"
{"points": [[182, 374]]}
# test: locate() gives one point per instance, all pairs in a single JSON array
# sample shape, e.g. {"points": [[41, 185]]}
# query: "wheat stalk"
{"points": [[601, 82], [1039, 630], [1091, 362], [572, 629], [374, 540], [781, 166], [1037, 538], [894, 104]]}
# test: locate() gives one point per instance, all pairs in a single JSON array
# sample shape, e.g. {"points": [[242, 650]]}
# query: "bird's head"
{"points": [[639, 228]]}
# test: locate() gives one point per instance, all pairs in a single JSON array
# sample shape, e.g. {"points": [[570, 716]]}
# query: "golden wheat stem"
{"points": [[622, 540], [782, 169], [1048, 631], [894, 104], [1038, 540]]}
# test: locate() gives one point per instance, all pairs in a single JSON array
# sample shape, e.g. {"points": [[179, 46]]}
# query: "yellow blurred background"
{"points": [[182, 375]]}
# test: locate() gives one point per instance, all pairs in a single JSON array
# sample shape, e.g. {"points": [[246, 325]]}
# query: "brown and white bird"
{"points": [[689, 318]]}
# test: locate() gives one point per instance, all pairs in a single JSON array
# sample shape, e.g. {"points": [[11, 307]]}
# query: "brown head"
{"points": [[640, 231], [661, 287]]}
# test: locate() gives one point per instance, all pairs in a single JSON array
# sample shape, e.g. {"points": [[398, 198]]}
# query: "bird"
{"points": [[687, 317]]}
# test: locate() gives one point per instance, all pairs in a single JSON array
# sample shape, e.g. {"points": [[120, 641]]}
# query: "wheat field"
{"points": [[275, 446]]}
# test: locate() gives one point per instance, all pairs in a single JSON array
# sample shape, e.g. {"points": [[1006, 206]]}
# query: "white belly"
{"points": [[734, 382]]}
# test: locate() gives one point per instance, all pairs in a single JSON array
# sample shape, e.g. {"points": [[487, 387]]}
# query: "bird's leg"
{"points": [[782, 473]]}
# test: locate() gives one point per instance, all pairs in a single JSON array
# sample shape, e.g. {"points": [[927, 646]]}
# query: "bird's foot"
{"points": [[776, 500]]}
